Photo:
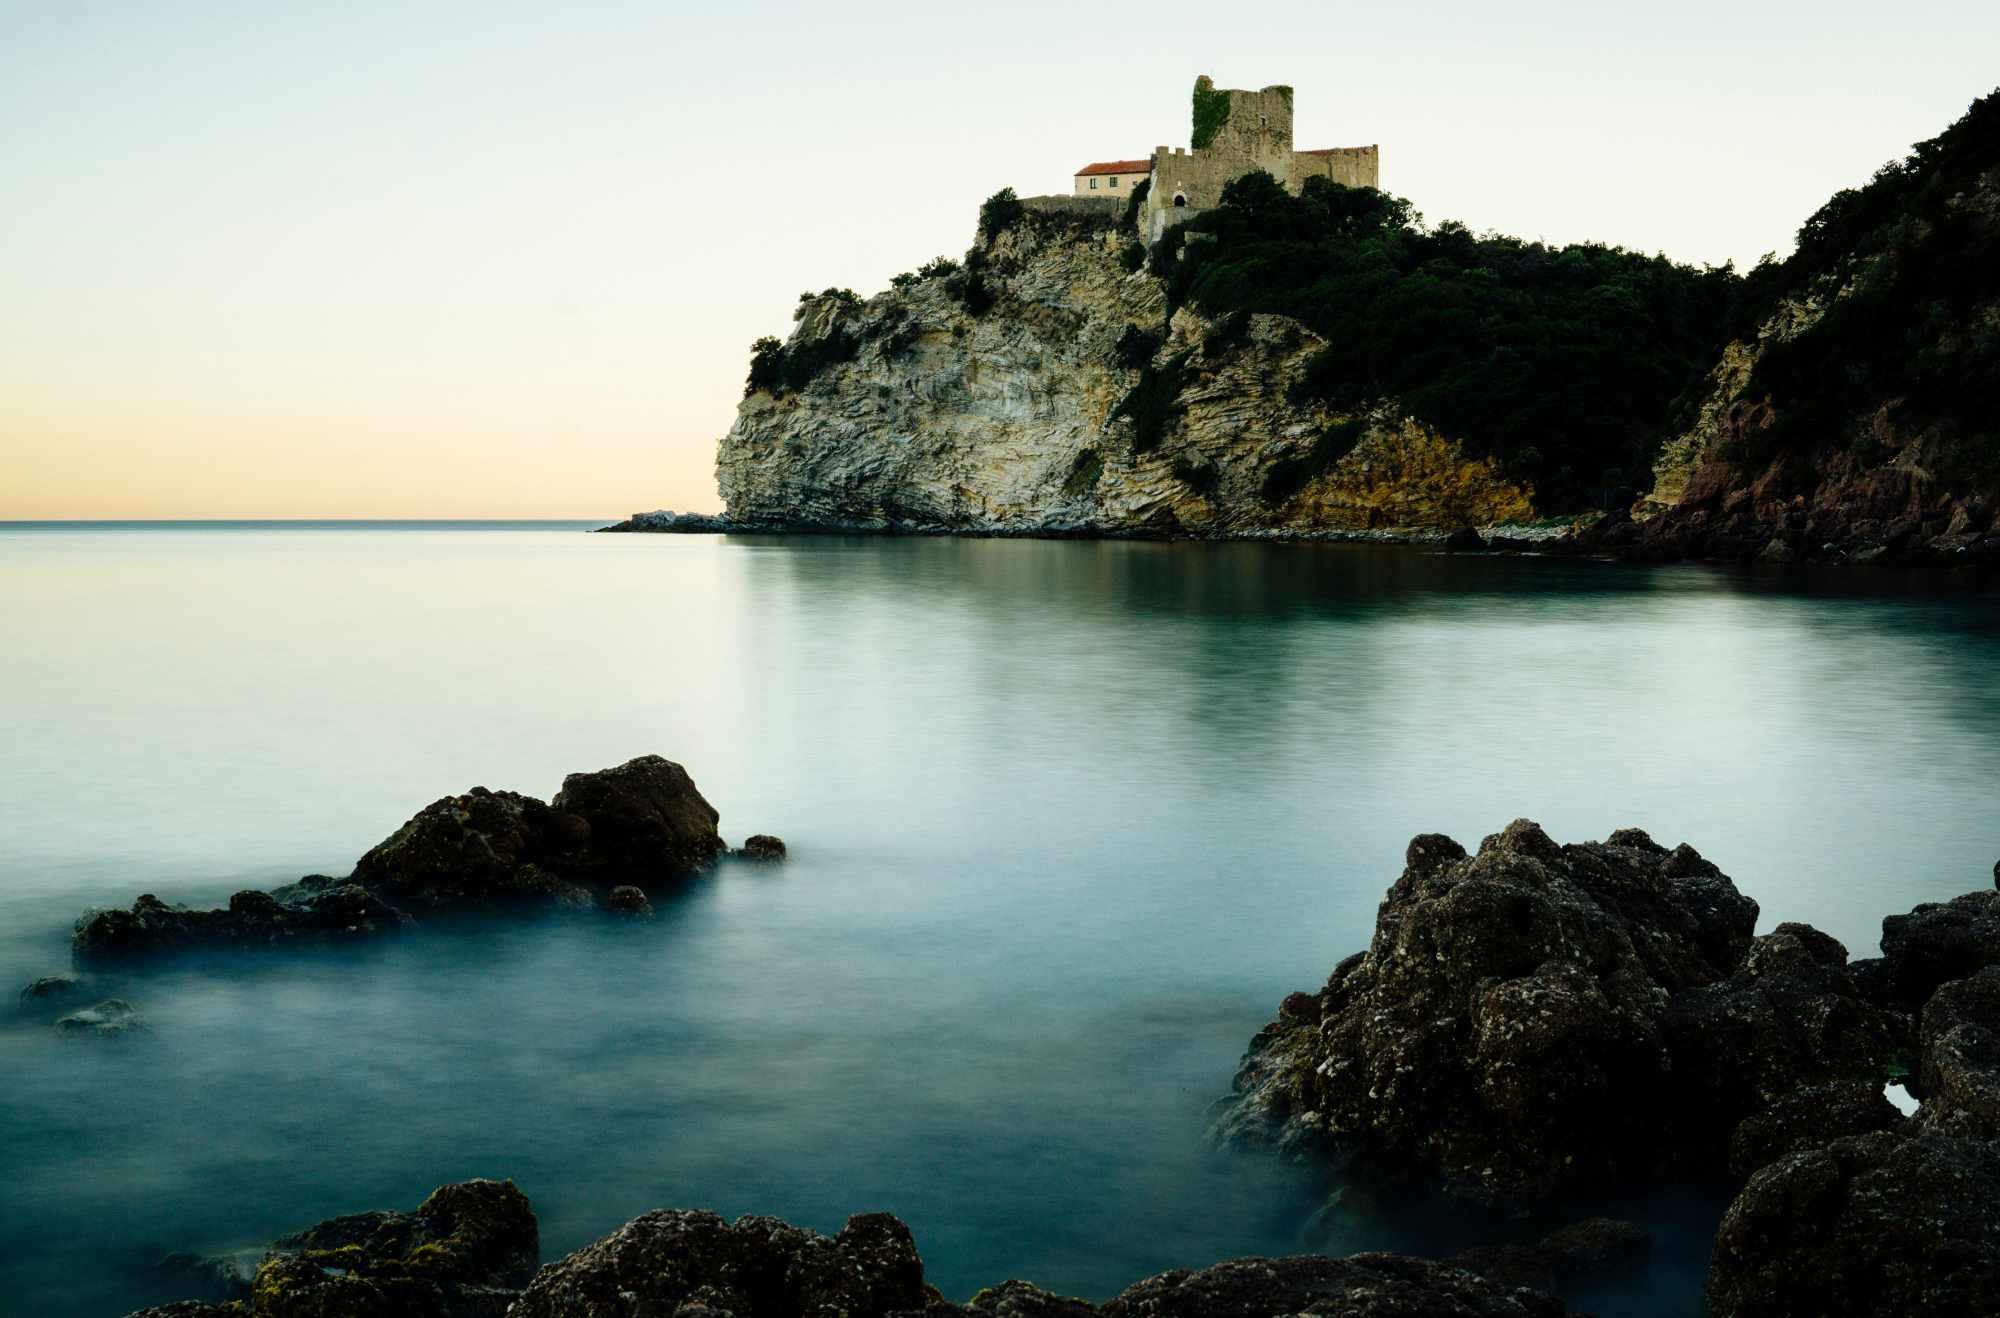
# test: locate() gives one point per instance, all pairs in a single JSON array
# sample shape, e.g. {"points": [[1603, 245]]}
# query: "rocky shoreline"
{"points": [[1531, 1023], [1899, 542]]}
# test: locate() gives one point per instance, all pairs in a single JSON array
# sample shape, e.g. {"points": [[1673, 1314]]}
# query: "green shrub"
{"points": [[999, 213], [937, 268], [1153, 403], [1132, 256], [1135, 202], [767, 359]]}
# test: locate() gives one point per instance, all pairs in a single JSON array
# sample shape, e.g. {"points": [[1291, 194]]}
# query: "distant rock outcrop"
{"points": [[641, 825]]}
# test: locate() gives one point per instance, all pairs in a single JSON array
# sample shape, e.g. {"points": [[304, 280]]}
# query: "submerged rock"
{"points": [[342, 913], [1465, 540], [1864, 1226], [756, 1267], [762, 847], [112, 1018], [1504, 1035], [51, 989]]}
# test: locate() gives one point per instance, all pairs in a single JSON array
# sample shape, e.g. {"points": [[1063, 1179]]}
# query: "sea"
{"points": [[1067, 821]]}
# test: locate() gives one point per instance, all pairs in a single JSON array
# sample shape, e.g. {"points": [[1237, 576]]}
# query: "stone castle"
{"points": [[1235, 133]]}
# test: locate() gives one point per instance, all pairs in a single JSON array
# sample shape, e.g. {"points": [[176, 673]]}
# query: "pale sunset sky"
{"points": [[451, 259]]}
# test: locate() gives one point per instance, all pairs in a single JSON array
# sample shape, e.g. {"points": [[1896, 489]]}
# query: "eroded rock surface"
{"points": [[1864, 1226], [1505, 1032], [113, 1018], [756, 1267]]}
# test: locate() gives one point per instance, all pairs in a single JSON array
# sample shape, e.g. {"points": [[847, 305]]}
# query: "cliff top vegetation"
{"points": [[1564, 363]]}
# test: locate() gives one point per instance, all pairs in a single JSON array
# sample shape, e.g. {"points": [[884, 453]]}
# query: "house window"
{"points": [[1093, 183], [1114, 180]]}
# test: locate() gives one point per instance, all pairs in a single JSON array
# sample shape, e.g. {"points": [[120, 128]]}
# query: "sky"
{"points": [[450, 259]]}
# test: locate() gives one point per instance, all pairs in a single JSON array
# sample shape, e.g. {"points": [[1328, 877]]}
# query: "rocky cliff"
{"points": [[1047, 387]]}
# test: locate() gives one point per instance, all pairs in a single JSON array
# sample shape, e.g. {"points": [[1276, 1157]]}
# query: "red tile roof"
{"points": [[1118, 167]]}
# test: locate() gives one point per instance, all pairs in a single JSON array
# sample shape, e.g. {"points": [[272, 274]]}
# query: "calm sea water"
{"points": [[1067, 821]]}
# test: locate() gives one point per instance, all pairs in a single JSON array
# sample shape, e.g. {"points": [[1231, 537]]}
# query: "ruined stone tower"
{"points": [[1235, 133]]}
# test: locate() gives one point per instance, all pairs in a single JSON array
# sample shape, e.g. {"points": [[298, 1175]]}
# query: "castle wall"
{"points": [[1350, 166]]}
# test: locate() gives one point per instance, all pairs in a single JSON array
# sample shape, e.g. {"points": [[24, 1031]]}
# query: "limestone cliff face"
{"points": [[1049, 392]]}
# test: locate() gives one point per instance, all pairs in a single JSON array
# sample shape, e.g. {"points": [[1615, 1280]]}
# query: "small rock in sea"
{"points": [[1465, 540], [763, 847], [51, 988], [112, 1018], [629, 902], [213, 1279]]}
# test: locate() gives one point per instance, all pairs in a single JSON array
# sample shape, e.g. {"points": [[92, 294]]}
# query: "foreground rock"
{"points": [[1790, 1018], [465, 1252], [763, 847], [756, 1267], [1505, 1034], [642, 825], [1870, 1225], [1359, 1286], [470, 1248]]}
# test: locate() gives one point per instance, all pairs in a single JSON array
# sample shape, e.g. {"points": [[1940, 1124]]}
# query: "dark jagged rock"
{"points": [[465, 1252], [1938, 942], [344, 912], [647, 823], [480, 847], [628, 901], [51, 989], [1594, 1249], [1959, 1066], [190, 1309], [640, 824], [1808, 1118], [1018, 1299], [1359, 1286], [1865, 1226], [1503, 1034], [112, 1018], [756, 1267], [1465, 540], [1790, 1017], [762, 847]]}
